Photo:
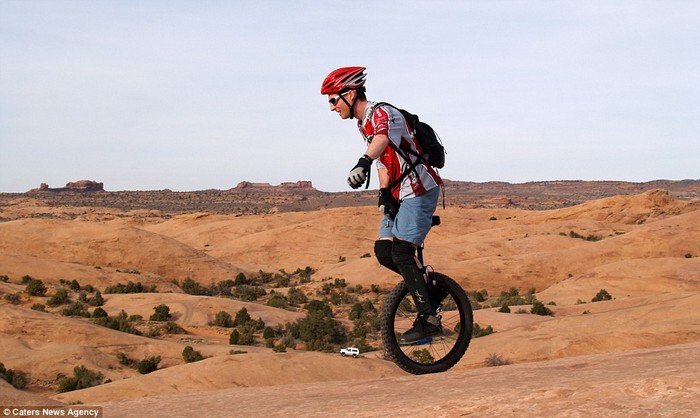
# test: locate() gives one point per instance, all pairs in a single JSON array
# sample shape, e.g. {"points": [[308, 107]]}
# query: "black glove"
{"points": [[358, 174], [387, 204]]}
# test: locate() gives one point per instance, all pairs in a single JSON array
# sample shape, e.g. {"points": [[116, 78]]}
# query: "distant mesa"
{"points": [[296, 185], [75, 186]]}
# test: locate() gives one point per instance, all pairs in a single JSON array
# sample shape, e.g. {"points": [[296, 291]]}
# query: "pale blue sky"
{"points": [[192, 95]]}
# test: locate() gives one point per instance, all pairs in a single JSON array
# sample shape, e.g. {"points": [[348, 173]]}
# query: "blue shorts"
{"points": [[414, 219]]}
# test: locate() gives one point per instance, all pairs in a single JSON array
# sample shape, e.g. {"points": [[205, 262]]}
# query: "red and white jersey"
{"points": [[386, 120]]}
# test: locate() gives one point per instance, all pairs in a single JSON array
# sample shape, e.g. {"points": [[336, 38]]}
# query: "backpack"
{"points": [[429, 141]]}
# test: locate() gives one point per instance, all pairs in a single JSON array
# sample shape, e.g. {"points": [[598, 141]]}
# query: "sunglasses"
{"points": [[334, 100]]}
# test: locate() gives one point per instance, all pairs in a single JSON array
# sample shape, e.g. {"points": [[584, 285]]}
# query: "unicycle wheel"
{"points": [[435, 354]]}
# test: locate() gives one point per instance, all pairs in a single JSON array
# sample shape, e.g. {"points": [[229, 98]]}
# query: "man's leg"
{"points": [[403, 255], [382, 250]]}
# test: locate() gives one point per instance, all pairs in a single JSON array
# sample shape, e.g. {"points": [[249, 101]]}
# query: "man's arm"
{"points": [[374, 150]]}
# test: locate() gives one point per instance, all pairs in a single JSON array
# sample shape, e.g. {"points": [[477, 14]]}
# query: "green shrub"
{"points": [[60, 297], [190, 355], [493, 360], [35, 287], [234, 337], [538, 308], [76, 309], [39, 307], [296, 297], [242, 317], [191, 287], [124, 360], [278, 300], [99, 313], [96, 300], [268, 332], [119, 323], [318, 330], [591, 237], [161, 313], [248, 292], [601, 295], [148, 365], [82, 378], [12, 377], [223, 319], [477, 331], [13, 298], [131, 287], [479, 296]]}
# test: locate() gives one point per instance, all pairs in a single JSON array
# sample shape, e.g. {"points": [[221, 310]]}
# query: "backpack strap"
{"points": [[403, 152]]}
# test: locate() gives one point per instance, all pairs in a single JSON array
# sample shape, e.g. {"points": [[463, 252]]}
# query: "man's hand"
{"points": [[387, 204], [358, 174]]}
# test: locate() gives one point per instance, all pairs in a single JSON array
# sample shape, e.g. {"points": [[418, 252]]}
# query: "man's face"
{"points": [[339, 105]]}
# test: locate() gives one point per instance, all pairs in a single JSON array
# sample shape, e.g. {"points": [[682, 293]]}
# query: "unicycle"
{"points": [[434, 354]]}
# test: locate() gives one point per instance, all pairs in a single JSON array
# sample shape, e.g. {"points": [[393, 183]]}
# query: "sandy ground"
{"points": [[635, 355]]}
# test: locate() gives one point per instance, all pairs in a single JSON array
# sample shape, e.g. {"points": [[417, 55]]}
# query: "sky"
{"points": [[195, 95]]}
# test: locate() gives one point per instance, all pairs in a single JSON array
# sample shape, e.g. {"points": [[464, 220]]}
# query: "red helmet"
{"points": [[346, 78]]}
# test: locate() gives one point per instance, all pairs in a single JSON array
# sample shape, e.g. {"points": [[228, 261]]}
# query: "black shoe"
{"points": [[425, 326]]}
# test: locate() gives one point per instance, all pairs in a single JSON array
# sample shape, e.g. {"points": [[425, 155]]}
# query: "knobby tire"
{"points": [[443, 351]]}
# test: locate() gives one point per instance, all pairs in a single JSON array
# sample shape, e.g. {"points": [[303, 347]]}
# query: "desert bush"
{"points": [[296, 297], [99, 313], [4, 278], [243, 337], [248, 293], [590, 237], [480, 295], [223, 319], [96, 300], [504, 308], [131, 287], [242, 317], [161, 313], [26, 279], [148, 365], [268, 332], [241, 279], [119, 323], [318, 330], [538, 308], [493, 360], [60, 297], [82, 378], [13, 298], [278, 300], [305, 274], [191, 287], [76, 309], [16, 379], [279, 348], [124, 360], [477, 331], [422, 356], [190, 355], [601, 295], [35, 287], [223, 288], [39, 307]]}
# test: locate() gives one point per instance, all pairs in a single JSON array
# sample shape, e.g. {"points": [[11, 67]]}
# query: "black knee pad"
{"points": [[403, 252], [382, 250]]}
